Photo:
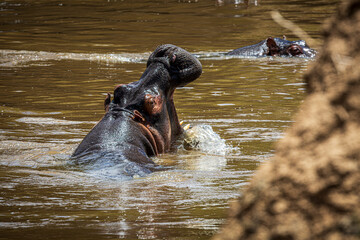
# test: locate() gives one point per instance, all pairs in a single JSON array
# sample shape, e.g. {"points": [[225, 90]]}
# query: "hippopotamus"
{"points": [[275, 47], [141, 121]]}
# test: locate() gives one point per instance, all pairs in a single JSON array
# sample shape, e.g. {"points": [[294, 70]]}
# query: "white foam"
{"points": [[203, 138], [46, 121]]}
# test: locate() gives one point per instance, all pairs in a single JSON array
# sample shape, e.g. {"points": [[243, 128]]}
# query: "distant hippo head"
{"points": [[275, 47], [283, 47], [141, 121]]}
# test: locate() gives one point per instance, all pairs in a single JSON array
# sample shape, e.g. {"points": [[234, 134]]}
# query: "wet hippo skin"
{"points": [[275, 47], [141, 120]]}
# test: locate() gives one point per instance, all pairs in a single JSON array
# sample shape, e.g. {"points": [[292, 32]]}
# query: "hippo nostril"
{"points": [[173, 58]]}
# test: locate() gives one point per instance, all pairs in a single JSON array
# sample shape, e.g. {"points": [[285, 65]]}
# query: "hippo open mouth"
{"points": [[141, 121]]}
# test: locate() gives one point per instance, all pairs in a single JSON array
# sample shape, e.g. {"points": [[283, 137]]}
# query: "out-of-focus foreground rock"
{"points": [[311, 188]]}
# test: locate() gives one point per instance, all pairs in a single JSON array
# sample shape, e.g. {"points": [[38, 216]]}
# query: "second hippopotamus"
{"points": [[275, 47], [141, 120]]}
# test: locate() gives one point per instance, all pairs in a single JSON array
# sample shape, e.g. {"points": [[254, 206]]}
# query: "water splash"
{"points": [[203, 138]]}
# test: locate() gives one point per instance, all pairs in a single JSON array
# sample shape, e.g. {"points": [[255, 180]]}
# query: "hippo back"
{"points": [[255, 50]]}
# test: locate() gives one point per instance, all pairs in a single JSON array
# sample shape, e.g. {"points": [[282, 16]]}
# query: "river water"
{"points": [[58, 59]]}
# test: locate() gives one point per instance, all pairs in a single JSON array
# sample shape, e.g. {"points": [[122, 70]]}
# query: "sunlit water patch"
{"points": [[46, 121], [13, 58]]}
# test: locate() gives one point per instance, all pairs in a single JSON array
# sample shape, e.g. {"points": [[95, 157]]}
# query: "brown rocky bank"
{"points": [[311, 188]]}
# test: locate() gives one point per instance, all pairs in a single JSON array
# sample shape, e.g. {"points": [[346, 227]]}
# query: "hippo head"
{"points": [[283, 47], [149, 101], [141, 120], [275, 47]]}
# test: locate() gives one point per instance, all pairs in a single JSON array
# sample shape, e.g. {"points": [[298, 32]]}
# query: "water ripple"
{"points": [[11, 58]]}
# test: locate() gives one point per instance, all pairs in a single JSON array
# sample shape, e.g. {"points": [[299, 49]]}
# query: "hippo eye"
{"points": [[295, 50], [153, 104]]}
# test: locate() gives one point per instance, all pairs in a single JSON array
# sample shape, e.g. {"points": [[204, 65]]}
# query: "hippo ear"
{"points": [[119, 92], [273, 48], [107, 102]]}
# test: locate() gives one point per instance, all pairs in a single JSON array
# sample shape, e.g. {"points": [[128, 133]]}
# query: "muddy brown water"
{"points": [[59, 58]]}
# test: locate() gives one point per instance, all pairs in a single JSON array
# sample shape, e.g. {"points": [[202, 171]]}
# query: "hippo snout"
{"points": [[183, 66]]}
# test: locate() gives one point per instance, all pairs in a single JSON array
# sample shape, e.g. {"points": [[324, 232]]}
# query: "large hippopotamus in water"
{"points": [[141, 120], [275, 47]]}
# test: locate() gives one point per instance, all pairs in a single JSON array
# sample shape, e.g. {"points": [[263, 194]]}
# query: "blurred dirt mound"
{"points": [[311, 189]]}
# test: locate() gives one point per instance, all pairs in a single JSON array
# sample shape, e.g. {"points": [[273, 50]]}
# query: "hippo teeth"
{"points": [[186, 127]]}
